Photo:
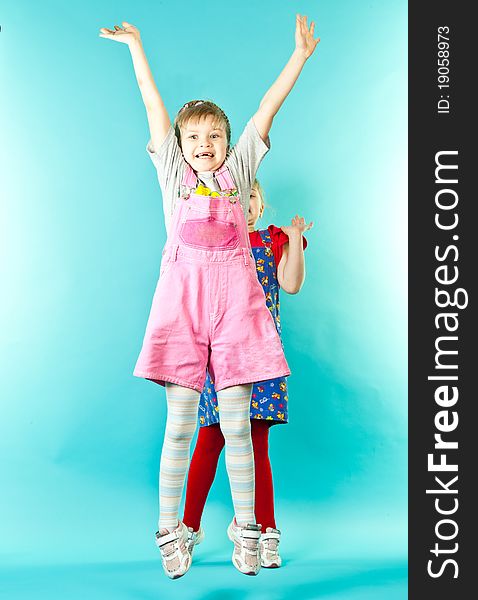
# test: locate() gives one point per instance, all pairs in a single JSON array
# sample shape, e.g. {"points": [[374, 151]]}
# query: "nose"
{"points": [[206, 142]]}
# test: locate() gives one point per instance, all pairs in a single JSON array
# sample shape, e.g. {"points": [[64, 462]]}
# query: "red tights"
{"points": [[203, 467]]}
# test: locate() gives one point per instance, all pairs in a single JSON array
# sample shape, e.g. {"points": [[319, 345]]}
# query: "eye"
{"points": [[215, 135], [193, 136]]}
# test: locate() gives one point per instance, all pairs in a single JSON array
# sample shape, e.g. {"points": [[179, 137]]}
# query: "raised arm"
{"points": [[158, 117], [278, 92], [291, 268]]}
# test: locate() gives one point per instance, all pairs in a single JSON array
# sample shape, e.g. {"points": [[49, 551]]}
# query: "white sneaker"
{"points": [[246, 555], [194, 538], [269, 544], [173, 546]]}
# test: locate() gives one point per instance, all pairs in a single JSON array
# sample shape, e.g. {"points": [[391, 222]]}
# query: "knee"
{"points": [[236, 431], [178, 436]]}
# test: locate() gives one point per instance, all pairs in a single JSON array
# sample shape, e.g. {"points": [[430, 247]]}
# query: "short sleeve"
{"points": [[279, 238], [246, 156], [168, 157], [169, 163]]}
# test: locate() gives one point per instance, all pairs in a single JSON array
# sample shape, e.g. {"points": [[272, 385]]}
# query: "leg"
{"points": [[180, 427], [264, 505], [270, 538], [235, 424], [201, 474]]}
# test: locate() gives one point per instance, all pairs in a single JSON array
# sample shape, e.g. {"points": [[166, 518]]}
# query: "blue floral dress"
{"points": [[269, 398]]}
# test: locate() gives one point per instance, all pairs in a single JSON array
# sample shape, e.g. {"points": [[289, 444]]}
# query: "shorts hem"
{"points": [[245, 380], [163, 379], [270, 421]]}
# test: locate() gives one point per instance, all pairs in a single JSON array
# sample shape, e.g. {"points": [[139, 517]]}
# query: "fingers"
{"points": [[117, 32], [299, 222], [305, 29], [112, 31], [312, 31], [107, 33], [301, 22]]}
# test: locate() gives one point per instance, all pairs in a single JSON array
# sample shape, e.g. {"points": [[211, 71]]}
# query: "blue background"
{"points": [[82, 233]]}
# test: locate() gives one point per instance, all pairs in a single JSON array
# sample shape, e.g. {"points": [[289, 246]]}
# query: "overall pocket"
{"points": [[209, 233]]}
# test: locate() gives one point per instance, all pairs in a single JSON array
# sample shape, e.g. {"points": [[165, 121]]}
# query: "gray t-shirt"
{"points": [[242, 161]]}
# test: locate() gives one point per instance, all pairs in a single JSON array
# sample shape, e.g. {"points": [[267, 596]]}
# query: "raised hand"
{"points": [[128, 34], [304, 36], [298, 226]]}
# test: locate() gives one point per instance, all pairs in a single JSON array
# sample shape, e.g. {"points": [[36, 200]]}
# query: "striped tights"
{"points": [[181, 423]]}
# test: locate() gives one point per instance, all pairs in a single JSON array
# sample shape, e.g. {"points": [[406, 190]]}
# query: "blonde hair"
{"points": [[259, 189], [197, 109]]}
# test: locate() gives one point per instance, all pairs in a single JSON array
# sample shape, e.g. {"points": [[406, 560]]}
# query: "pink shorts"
{"points": [[209, 311]]}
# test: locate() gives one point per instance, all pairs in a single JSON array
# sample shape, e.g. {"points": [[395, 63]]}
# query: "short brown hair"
{"points": [[199, 109]]}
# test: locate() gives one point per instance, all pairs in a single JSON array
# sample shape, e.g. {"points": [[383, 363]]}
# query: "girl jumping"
{"points": [[208, 308]]}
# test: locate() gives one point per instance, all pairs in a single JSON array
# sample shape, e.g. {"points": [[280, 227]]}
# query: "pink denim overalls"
{"points": [[208, 309]]}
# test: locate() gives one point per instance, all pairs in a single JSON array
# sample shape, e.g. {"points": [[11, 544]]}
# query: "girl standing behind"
{"points": [[279, 258]]}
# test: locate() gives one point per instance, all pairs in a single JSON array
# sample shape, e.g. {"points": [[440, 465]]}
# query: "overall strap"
{"points": [[224, 179], [189, 177], [265, 237]]}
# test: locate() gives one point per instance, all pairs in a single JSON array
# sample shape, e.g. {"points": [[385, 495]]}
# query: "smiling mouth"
{"points": [[205, 155]]}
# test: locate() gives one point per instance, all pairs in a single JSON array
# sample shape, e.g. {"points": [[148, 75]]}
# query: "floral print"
{"points": [[269, 398]]}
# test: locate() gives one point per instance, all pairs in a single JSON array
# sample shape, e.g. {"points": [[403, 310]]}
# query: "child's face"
{"points": [[255, 208], [204, 144]]}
